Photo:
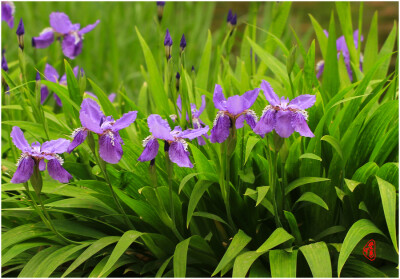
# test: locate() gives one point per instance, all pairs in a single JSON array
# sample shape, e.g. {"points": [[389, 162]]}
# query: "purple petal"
{"points": [[201, 141], [341, 44], [110, 149], [44, 40], [24, 170], [267, 122], [60, 22], [303, 101], [79, 137], [44, 92], [57, 172], [220, 131], [159, 127], [91, 115], [300, 125], [284, 127], [269, 93], [111, 97], [203, 105], [72, 46], [50, 73], [355, 38], [192, 134], [250, 117], [19, 140], [7, 11], [219, 98], [58, 100], [320, 68], [239, 122], [88, 28], [179, 103], [126, 120], [55, 146], [179, 155], [150, 150], [237, 104], [249, 98], [42, 165]]}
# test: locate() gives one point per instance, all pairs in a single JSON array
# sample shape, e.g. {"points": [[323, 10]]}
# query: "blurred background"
{"points": [[112, 55]]}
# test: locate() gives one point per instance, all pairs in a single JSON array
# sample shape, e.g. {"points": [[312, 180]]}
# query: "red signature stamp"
{"points": [[369, 250]]}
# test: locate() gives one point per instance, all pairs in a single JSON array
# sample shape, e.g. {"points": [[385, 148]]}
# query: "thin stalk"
{"points": [[225, 182]]}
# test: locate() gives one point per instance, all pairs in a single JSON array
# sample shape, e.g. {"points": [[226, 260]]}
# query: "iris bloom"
{"points": [[232, 112], [283, 115], [341, 48], [52, 75], [93, 119], [35, 154], [7, 12], [72, 35], [176, 146], [197, 122]]}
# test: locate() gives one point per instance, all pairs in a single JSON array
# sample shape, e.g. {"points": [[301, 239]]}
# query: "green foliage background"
{"points": [[335, 191]]}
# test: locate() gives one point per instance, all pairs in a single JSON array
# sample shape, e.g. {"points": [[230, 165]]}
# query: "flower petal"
{"points": [[50, 73], [179, 103], [219, 98], [179, 155], [203, 106], [249, 98], [284, 126], [24, 170], [55, 146], [320, 68], [44, 40], [44, 92], [79, 137], [300, 125], [57, 172], [110, 149], [7, 11], [58, 100], [201, 141], [111, 97], [159, 127], [269, 93], [126, 120], [303, 101], [72, 46], [42, 165], [60, 22], [19, 140], [220, 131], [235, 105], [150, 150], [239, 122], [91, 115], [194, 133], [266, 123], [88, 28]]}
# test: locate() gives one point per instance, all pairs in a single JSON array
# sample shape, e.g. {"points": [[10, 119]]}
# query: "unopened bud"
{"points": [[20, 33], [168, 45]]}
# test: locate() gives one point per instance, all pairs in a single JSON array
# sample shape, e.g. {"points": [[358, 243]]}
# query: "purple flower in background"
{"points": [[176, 146], [20, 33], [342, 48], [4, 64], [160, 3], [284, 116], [232, 112], [183, 43], [197, 122], [168, 44], [52, 75], [71, 33], [229, 17], [234, 20], [35, 154], [7, 12], [93, 119], [111, 97]]}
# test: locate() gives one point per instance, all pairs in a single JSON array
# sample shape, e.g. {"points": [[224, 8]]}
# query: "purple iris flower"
{"points": [[52, 75], [197, 122], [71, 33], [93, 119], [35, 154], [7, 12], [283, 115], [341, 48], [176, 146], [232, 112]]}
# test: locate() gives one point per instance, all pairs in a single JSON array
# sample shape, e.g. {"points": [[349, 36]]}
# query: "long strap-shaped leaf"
{"points": [[317, 256], [283, 264]]}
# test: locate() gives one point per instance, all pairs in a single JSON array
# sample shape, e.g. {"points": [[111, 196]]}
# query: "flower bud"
{"points": [[20, 33], [183, 43], [168, 45], [178, 77], [160, 9]]}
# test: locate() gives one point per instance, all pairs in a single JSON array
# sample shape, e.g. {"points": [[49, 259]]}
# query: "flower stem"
{"points": [[226, 182]]}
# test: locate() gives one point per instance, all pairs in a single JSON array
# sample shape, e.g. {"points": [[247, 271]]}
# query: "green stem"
{"points": [[225, 182]]}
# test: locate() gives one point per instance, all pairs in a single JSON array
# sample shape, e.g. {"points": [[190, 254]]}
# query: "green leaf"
{"points": [[185, 180], [209, 216], [180, 258], [21, 233], [203, 166], [344, 14], [283, 264], [262, 192], [317, 256], [351, 184], [107, 106], [123, 244], [243, 263], [18, 249], [251, 142], [31, 266], [330, 231], [204, 68], [199, 188], [156, 83], [334, 143], [311, 156], [302, 181], [91, 251], [163, 267], [322, 38], [371, 45], [239, 241], [386, 49], [293, 226], [358, 231], [313, 198], [276, 238], [388, 197], [73, 87]]}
